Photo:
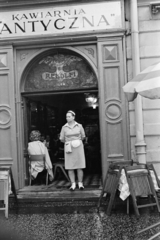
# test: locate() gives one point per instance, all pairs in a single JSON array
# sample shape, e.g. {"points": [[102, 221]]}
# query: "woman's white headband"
{"points": [[71, 112]]}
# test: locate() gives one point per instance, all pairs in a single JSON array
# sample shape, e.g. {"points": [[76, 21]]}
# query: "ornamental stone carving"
{"points": [[90, 51], [5, 117], [23, 56], [113, 111], [110, 53], [3, 60]]}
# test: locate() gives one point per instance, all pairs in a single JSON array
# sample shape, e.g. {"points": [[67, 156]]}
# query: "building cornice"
{"points": [[70, 38], [28, 3]]}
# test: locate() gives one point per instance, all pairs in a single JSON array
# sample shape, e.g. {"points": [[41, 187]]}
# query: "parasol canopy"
{"points": [[146, 83]]}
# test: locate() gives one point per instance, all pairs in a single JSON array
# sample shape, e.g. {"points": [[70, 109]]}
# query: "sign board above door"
{"points": [[60, 72], [61, 20]]}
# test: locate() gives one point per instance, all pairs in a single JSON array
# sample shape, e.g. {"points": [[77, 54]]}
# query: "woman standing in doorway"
{"points": [[72, 134]]}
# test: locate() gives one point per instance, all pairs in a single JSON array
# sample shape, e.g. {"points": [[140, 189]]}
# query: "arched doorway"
{"points": [[56, 81]]}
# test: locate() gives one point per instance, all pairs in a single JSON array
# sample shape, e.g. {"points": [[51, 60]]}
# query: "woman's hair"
{"points": [[35, 135], [73, 113]]}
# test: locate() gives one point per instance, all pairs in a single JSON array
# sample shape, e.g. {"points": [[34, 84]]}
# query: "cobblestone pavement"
{"points": [[38, 223]]}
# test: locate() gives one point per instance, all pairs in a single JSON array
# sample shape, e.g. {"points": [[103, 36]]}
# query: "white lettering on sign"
{"points": [[56, 20], [60, 76]]}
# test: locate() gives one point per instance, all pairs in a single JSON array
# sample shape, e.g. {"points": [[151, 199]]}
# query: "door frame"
{"points": [[20, 105], [26, 117]]}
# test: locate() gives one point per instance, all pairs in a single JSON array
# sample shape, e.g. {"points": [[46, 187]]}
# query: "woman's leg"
{"points": [[72, 178], [71, 175], [80, 178], [80, 175]]}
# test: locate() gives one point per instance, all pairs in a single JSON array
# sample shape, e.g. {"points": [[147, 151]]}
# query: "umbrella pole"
{"points": [[140, 144]]}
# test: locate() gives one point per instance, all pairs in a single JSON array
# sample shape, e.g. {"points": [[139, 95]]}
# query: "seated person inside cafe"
{"points": [[56, 143], [36, 147], [45, 140], [48, 143], [42, 139]]}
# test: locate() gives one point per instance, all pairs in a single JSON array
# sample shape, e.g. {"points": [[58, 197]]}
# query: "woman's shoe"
{"points": [[73, 186], [80, 185]]}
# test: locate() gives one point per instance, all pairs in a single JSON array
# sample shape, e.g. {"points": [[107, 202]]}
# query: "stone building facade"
{"points": [[115, 43]]}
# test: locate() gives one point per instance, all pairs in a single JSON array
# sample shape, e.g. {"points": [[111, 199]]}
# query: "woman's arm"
{"points": [[82, 132], [62, 135]]}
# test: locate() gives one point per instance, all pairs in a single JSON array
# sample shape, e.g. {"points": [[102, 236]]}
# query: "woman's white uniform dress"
{"points": [[75, 158]]}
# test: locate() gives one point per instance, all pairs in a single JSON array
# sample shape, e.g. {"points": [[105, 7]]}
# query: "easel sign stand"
{"points": [[152, 226], [5, 176]]}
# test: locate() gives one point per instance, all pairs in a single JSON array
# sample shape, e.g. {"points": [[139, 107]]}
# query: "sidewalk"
{"points": [[41, 221]]}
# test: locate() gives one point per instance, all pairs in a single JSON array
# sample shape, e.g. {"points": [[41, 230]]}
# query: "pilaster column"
{"points": [[140, 145]]}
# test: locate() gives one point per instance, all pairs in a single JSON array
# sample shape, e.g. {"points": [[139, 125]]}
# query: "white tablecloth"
{"points": [[124, 187]]}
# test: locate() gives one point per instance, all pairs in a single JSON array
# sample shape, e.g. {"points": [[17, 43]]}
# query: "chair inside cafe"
{"points": [[42, 177]]}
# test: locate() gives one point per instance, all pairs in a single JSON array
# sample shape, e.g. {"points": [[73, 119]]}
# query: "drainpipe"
{"points": [[140, 145]]}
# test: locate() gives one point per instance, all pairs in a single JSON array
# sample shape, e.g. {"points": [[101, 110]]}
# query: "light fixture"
{"points": [[94, 106], [155, 7], [90, 98]]}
